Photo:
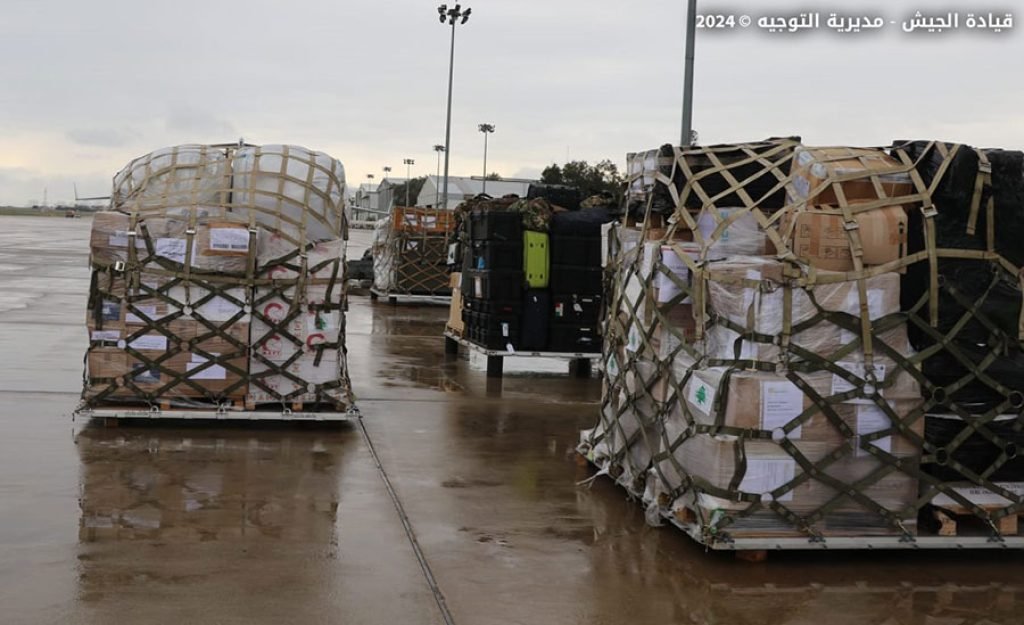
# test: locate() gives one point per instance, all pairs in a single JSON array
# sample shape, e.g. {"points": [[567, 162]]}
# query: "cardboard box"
{"points": [[304, 368], [820, 238], [758, 307], [222, 238], [228, 355], [455, 308], [769, 467], [814, 166], [768, 402]]}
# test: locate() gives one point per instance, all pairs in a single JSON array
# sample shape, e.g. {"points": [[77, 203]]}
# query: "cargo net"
{"points": [[817, 342], [218, 281], [410, 251]]}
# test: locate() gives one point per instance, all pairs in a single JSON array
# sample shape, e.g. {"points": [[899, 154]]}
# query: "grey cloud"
{"points": [[102, 137], [197, 123]]}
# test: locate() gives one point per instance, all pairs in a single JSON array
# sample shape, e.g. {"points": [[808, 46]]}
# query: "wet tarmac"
{"points": [[268, 524]]}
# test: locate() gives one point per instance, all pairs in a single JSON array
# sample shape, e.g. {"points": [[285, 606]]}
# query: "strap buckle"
{"points": [[929, 211]]}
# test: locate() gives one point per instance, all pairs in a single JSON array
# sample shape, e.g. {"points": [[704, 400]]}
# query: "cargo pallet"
{"points": [[394, 297], [222, 413], [580, 363], [756, 548]]}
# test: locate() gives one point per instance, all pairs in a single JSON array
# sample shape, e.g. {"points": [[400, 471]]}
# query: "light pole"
{"points": [[486, 129], [408, 178], [387, 170], [452, 16], [437, 179], [686, 135]]}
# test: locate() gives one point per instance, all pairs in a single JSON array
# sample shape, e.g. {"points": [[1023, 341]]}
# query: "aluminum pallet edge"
{"points": [[216, 414], [829, 543]]}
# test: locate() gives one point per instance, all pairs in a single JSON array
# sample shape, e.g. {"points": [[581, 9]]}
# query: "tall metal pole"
{"points": [[408, 178], [437, 179], [485, 129], [448, 123], [691, 33]]}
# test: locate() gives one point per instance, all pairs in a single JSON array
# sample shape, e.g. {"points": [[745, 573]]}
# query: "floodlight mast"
{"points": [[453, 16]]}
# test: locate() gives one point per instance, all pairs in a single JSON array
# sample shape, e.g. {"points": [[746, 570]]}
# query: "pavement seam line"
{"points": [[442, 606]]}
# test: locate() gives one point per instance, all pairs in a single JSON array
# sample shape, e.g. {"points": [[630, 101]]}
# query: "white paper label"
{"points": [[149, 311], [120, 239], [980, 495], [667, 288], [218, 309], [174, 250], [701, 395], [213, 372], [781, 402], [766, 474], [478, 287], [871, 419], [634, 340], [111, 336], [840, 385], [110, 310], [152, 342], [229, 239], [504, 329]]}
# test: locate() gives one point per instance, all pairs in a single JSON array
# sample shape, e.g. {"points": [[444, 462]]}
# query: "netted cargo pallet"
{"points": [[410, 255], [218, 286], [818, 347]]}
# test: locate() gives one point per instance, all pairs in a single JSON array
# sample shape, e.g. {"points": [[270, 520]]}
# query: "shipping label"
{"points": [[229, 239], [781, 402], [766, 474]]}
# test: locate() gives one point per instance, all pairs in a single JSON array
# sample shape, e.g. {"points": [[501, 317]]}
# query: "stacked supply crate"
{"points": [[218, 282], [492, 278], [809, 347], [410, 252]]}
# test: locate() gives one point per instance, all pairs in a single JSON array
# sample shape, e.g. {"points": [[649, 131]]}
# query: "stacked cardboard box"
{"points": [[198, 305], [756, 372]]}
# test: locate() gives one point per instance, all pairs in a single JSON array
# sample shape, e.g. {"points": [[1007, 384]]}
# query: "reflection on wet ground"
{"points": [[182, 523]]}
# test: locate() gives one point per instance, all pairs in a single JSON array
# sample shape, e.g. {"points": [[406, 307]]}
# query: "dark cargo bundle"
{"points": [[560, 195], [218, 284], [763, 385], [659, 180]]}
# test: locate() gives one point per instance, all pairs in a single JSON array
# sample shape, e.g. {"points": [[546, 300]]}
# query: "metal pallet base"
{"points": [[408, 298], [833, 543], [214, 414], [579, 362]]}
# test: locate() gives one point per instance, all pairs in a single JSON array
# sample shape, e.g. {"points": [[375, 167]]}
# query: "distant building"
{"points": [[460, 188], [374, 200]]}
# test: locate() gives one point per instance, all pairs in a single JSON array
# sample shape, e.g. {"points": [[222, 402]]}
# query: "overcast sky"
{"points": [[86, 85]]}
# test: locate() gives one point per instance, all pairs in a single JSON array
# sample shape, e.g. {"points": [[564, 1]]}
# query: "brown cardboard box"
{"points": [[455, 308], [224, 238], [217, 377], [820, 238], [713, 459], [758, 305], [813, 166], [768, 401]]}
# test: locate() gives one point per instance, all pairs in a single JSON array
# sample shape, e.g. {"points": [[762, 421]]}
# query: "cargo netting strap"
{"points": [[170, 200], [413, 252], [664, 323]]}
